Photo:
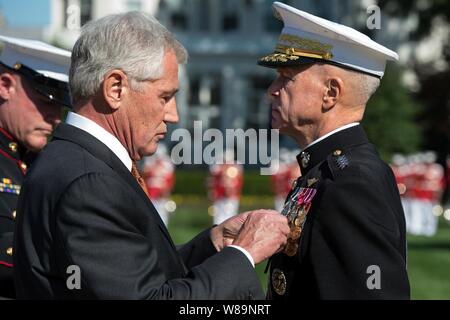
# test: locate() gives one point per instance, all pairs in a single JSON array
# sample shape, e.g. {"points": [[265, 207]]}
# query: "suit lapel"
{"points": [[103, 153]]}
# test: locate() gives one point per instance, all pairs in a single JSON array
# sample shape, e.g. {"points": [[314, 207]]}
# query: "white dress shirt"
{"points": [[101, 134]]}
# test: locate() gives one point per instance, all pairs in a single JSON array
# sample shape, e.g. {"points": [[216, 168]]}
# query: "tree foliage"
{"points": [[390, 117]]}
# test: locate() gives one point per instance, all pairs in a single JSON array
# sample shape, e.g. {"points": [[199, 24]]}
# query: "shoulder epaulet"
{"points": [[338, 160]]}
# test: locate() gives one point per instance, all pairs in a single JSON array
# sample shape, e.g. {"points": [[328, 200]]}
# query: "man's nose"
{"points": [[273, 90], [172, 113]]}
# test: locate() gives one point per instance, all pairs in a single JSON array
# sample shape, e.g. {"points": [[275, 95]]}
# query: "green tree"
{"points": [[433, 91], [390, 117]]}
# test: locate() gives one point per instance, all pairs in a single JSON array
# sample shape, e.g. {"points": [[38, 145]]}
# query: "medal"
{"points": [[295, 210], [295, 233], [291, 248]]}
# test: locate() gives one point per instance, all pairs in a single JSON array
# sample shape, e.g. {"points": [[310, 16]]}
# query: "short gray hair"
{"points": [[133, 42], [362, 84], [369, 84]]}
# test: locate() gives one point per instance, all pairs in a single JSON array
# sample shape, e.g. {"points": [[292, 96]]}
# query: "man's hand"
{"points": [[263, 234], [224, 234]]}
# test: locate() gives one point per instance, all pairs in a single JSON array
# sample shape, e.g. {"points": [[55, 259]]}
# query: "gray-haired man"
{"points": [[84, 205]]}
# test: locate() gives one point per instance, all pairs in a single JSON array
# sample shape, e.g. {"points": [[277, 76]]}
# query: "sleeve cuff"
{"points": [[249, 257]]}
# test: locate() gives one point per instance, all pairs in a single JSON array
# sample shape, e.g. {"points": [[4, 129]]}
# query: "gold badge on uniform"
{"points": [[305, 157], [13, 146], [279, 282]]}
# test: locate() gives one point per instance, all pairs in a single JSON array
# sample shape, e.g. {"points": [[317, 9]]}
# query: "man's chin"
{"points": [[36, 146], [149, 150], [277, 125]]}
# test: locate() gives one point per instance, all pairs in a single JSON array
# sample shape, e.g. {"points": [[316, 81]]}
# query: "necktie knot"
{"points": [[137, 175]]}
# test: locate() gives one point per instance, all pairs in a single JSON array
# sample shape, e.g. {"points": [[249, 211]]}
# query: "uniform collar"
{"points": [[334, 143]]}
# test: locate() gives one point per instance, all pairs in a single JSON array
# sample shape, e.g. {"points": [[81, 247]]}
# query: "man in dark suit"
{"points": [[86, 228], [33, 78], [347, 238]]}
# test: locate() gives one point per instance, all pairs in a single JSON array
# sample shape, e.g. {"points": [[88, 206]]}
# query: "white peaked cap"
{"points": [[306, 38], [46, 59]]}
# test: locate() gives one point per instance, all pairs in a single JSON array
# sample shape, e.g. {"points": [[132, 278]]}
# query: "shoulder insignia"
{"points": [[342, 161], [339, 160], [6, 186]]}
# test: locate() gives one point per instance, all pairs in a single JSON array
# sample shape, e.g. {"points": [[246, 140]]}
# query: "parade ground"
{"points": [[428, 258]]}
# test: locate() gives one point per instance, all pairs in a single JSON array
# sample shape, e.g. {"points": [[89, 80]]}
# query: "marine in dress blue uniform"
{"points": [[32, 92]]}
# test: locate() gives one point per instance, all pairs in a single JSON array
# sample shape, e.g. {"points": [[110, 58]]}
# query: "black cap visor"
{"points": [[52, 89]]}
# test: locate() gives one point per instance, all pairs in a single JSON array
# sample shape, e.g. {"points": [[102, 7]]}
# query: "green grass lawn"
{"points": [[428, 258]]}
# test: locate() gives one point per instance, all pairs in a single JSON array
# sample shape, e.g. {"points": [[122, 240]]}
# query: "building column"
{"points": [[234, 99]]}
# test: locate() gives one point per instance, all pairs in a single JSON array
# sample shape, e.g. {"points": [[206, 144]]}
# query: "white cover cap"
{"points": [[307, 38], [46, 59]]}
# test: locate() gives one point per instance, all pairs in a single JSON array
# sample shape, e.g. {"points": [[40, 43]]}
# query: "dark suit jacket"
{"points": [[354, 232], [80, 206]]}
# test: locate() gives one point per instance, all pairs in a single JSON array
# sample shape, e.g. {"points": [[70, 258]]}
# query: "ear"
{"points": [[7, 85], [333, 92], [115, 86]]}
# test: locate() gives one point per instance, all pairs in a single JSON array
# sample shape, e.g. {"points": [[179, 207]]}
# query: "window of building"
{"points": [[205, 99], [204, 9], [178, 20], [175, 12], [85, 11], [258, 112], [230, 17], [205, 90], [272, 24], [134, 5]]}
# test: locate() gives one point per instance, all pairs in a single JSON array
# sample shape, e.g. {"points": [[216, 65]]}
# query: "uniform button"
{"points": [[305, 157], [14, 213], [337, 153], [9, 251], [13, 146], [23, 166], [294, 183]]}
